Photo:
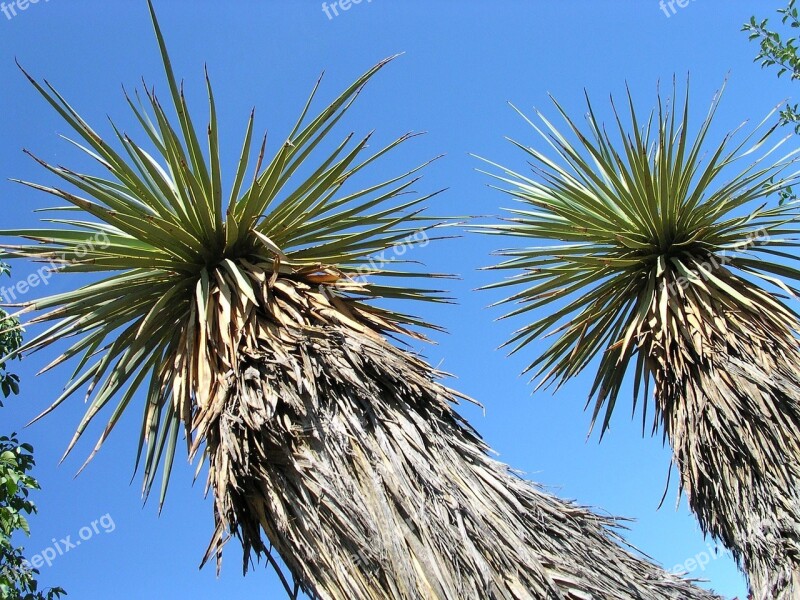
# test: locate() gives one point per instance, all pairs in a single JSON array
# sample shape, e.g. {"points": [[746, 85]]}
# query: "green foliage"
{"points": [[620, 217], [776, 49], [163, 226], [17, 577], [10, 340]]}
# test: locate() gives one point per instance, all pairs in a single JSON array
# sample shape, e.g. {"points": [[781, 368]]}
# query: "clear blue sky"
{"points": [[463, 61]]}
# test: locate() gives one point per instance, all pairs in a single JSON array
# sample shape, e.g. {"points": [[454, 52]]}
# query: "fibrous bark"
{"points": [[727, 384], [343, 453]]}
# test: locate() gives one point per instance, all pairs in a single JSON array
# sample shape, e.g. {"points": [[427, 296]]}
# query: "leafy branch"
{"points": [[777, 50], [17, 577], [10, 340]]}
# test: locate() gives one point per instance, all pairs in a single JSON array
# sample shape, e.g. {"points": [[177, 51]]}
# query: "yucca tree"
{"points": [[245, 323], [659, 256]]}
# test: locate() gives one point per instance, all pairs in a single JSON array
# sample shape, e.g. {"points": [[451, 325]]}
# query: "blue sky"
{"points": [[463, 62]]}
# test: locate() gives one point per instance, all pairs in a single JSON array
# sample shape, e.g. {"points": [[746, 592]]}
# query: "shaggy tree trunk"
{"points": [[345, 452], [728, 387]]}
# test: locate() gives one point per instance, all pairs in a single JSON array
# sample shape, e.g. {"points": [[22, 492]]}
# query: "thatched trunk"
{"points": [[343, 453], [728, 388]]}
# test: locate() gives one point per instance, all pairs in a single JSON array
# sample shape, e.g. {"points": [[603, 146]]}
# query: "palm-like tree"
{"points": [[661, 259], [248, 326]]}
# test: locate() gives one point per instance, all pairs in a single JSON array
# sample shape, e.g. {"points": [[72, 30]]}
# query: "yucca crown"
{"points": [[633, 223], [176, 244]]}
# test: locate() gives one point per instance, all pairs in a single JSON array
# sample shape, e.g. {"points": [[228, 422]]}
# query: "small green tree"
{"points": [[17, 578]]}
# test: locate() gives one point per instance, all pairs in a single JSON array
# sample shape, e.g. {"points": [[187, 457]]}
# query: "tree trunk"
{"points": [[728, 389], [345, 452]]}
